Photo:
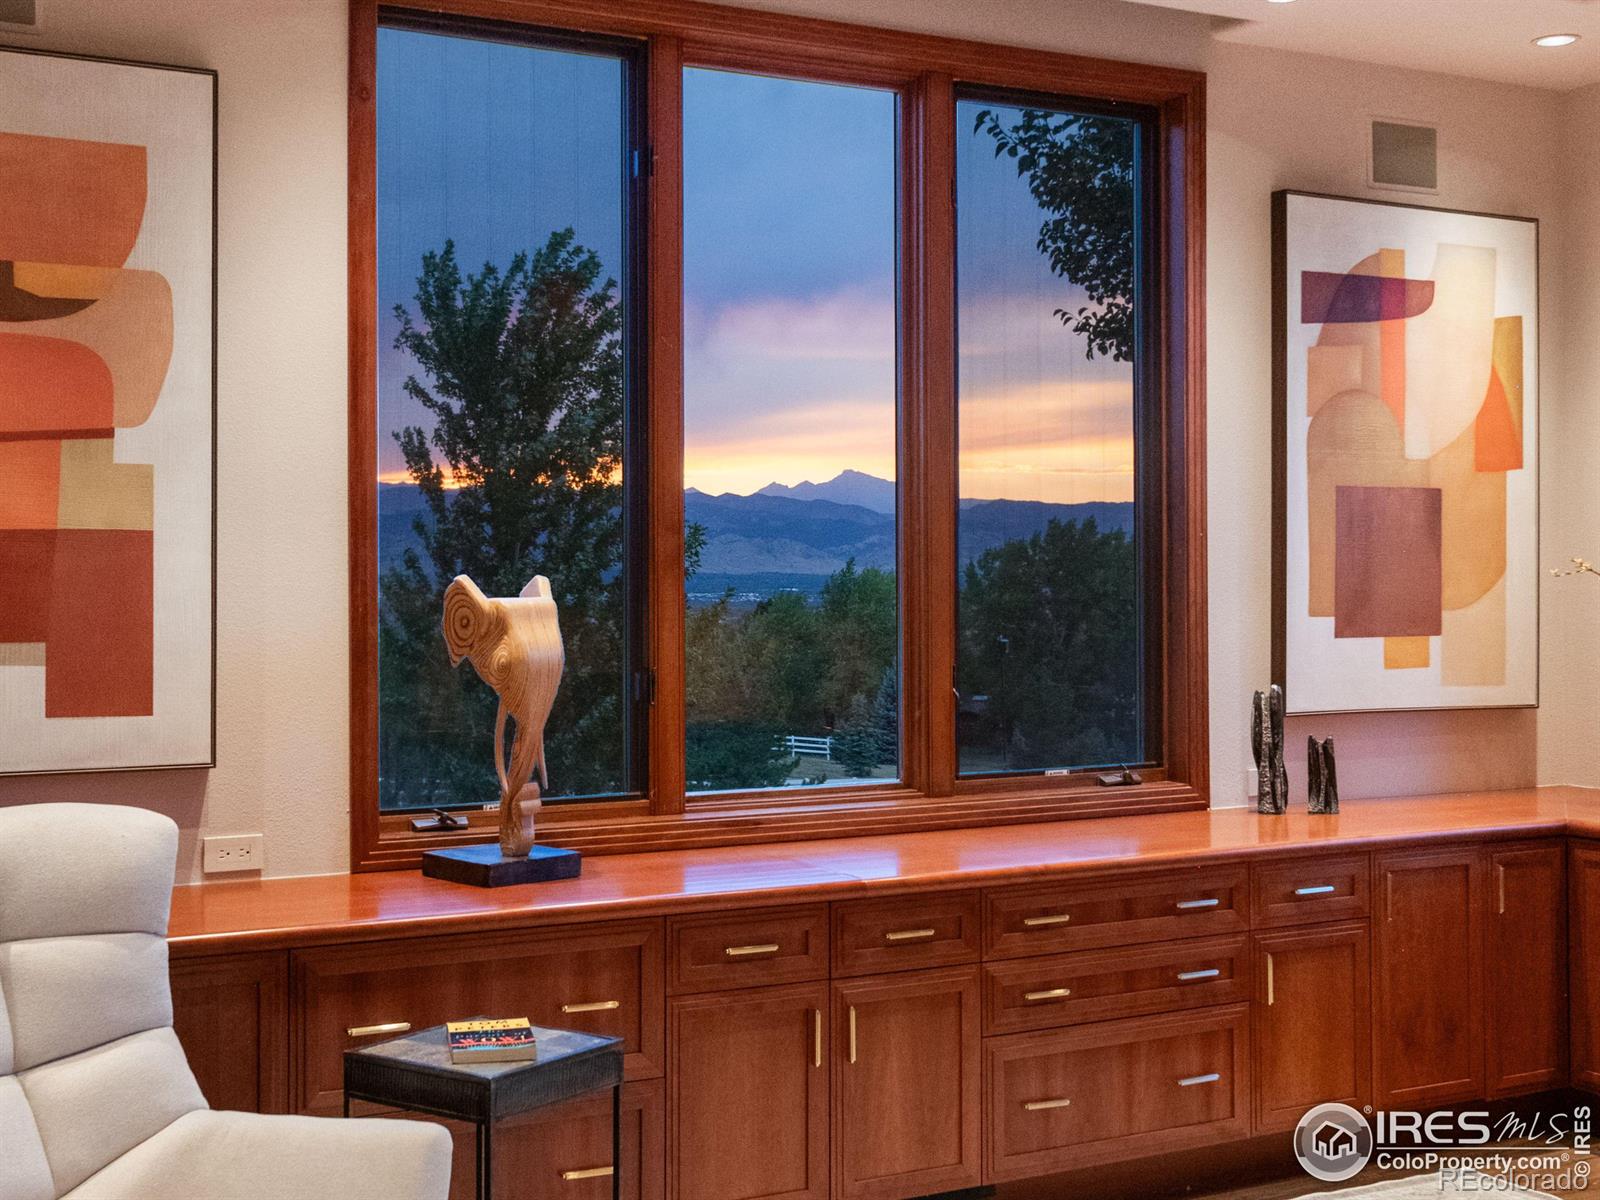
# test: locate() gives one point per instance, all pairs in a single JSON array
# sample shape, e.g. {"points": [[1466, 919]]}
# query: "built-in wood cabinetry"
{"points": [[883, 1047], [1525, 963]]}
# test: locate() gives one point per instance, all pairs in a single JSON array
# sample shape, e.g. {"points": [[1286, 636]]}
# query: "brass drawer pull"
{"points": [[1195, 1080], [593, 1006], [588, 1173], [1271, 997], [375, 1030], [816, 1044], [1208, 973], [852, 1034], [1043, 1105], [1321, 889], [1053, 919], [1209, 902], [908, 935], [749, 951], [1052, 994]]}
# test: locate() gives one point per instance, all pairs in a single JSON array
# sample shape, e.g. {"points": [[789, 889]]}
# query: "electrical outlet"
{"points": [[242, 852]]}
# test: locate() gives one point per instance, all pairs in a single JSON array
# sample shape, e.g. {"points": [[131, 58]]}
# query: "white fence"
{"points": [[815, 747]]}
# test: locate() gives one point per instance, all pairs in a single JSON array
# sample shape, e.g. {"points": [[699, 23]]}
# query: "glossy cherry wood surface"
{"points": [[224, 917]]}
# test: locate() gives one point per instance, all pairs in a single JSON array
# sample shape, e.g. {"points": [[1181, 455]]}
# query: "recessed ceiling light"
{"points": [[1549, 39]]}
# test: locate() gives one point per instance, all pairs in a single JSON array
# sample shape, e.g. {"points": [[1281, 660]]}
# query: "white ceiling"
{"points": [[1483, 39]]}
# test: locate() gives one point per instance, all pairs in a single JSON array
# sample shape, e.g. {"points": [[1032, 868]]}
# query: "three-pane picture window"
{"points": [[514, 421]]}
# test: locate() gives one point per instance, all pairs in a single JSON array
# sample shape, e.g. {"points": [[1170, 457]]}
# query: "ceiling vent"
{"points": [[1403, 155]]}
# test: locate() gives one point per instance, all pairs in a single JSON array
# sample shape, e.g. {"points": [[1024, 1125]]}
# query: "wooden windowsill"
{"points": [[214, 918]]}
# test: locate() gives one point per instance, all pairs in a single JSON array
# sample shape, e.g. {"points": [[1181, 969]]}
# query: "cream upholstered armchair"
{"points": [[97, 1101]]}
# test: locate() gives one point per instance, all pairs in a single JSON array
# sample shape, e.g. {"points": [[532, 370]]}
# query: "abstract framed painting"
{"points": [[107, 414], [1406, 456]]}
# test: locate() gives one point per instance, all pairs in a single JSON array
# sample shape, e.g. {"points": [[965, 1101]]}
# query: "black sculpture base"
{"points": [[485, 866]]}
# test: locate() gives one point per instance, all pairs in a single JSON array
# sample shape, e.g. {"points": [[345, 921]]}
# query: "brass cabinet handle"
{"points": [[374, 1030], [1052, 994], [852, 1034], [1208, 902], [1269, 981], [1500, 880], [1052, 919], [747, 951], [816, 1043], [588, 1173], [908, 935], [1208, 973], [1318, 889], [1195, 1080], [592, 1006], [1042, 1105]]}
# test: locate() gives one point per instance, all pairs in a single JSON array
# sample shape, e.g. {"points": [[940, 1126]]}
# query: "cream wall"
{"points": [[1275, 120]]}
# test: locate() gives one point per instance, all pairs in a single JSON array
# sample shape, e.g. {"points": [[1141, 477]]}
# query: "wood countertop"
{"points": [[212, 918]]}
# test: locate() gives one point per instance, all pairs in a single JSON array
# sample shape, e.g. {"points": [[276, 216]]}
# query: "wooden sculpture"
{"points": [[514, 644]]}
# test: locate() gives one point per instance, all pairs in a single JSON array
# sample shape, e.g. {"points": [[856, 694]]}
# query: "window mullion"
{"points": [[664, 422]]}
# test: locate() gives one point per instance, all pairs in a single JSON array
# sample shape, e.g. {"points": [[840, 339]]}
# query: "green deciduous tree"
{"points": [[1080, 171], [521, 371], [1049, 634]]}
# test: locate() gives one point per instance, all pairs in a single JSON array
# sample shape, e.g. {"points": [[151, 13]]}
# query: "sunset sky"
{"points": [[789, 225]]}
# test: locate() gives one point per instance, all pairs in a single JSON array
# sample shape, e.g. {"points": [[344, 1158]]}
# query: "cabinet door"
{"points": [[1312, 1039], [1525, 964], [906, 1099], [1583, 868], [231, 1013], [747, 1110], [1428, 1028]]}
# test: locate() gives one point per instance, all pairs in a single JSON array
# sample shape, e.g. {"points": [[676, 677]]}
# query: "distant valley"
{"points": [[792, 538]]}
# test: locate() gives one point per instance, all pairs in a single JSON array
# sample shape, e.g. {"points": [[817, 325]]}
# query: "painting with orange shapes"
{"points": [[107, 414], [1406, 420]]}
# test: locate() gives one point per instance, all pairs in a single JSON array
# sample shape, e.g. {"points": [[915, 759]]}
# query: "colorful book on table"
{"points": [[509, 1040]]}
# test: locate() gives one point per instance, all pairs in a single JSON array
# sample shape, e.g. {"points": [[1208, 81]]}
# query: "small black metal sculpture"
{"points": [[1266, 735], [1322, 783]]}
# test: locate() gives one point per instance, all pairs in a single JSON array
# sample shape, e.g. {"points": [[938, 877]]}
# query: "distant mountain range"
{"points": [[792, 538]]}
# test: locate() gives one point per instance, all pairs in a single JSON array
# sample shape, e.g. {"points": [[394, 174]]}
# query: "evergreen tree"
{"points": [[855, 745], [886, 715]]}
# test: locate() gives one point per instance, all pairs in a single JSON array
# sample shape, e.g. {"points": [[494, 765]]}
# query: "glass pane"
{"points": [[789, 432], [501, 251], [1049, 672]]}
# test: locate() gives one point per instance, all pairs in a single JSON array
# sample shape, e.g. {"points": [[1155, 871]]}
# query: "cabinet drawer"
{"points": [[1095, 985], [1119, 911], [780, 945], [1123, 1089], [940, 930], [564, 1152], [1302, 891], [603, 979]]}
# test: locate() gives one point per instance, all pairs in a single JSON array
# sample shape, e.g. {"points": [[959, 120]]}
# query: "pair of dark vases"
{"points": [[1266, 736]]}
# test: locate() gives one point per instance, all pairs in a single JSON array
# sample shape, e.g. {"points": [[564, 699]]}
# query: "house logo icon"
{"points": [[1333, 1142]]}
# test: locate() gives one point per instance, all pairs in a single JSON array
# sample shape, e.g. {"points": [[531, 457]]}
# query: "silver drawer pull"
{"points": [[1043, 1105], [1195, 1080], [1053, 919], [375, 1030], [1321, 889], [592, 1006], [588, 1173], [908, 935], [747, 951], [1209, 902], [1052, 994], [1208, 973]]}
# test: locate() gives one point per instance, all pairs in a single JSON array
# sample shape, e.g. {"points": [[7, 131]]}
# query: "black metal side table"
{"points": [[414, 1072]]}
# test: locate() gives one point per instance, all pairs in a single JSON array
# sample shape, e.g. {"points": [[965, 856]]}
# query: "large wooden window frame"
{"points": [[925, 72]]}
